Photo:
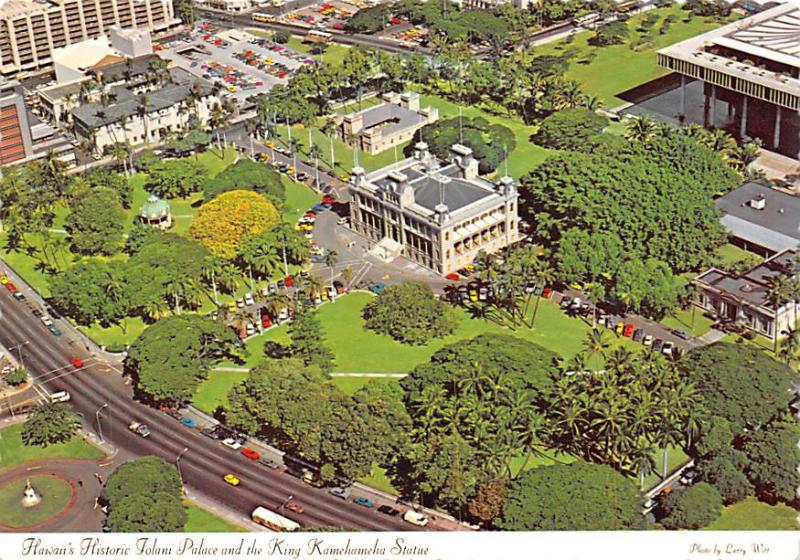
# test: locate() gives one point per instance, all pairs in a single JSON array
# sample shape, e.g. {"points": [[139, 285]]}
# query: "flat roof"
{"points": [[773, 34], [754, 285], [775, 227]]}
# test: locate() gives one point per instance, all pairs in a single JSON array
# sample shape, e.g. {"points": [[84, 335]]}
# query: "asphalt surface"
{"points": [[98, 390]]}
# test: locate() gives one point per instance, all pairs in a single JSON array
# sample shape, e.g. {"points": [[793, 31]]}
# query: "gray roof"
{"points": [[116, 71], [752, 286], [126, 103], [441, 185], [775, 227], [399, 118]]}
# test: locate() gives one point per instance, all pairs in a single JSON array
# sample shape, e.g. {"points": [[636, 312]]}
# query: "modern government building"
{"points": [[436, 213], [748, 73]]}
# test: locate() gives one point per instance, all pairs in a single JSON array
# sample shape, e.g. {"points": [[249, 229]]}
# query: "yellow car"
{"points": [[4, 279], [290, 170], [231, 479], [576, 285], [344, 178], [269, 144], [469, 268], [473, 295], [232, 307], [324, 296]]}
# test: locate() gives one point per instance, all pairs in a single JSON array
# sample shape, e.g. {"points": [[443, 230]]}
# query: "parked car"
{"points": [[658, 344], [377, 287], [339, 287], [647, 340], [668, 348], [269, 463], [10, 287], [389, 510], [251, 453], [248, 299], [232, 443], [362, 501], [547, 292], [415, 518], [627, 329], [682, 334], [340, 492], [638, 335], [188, 422], [688, 477]]}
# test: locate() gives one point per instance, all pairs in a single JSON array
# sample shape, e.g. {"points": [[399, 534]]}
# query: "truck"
{"points": [[272, 520], [139, 428]]}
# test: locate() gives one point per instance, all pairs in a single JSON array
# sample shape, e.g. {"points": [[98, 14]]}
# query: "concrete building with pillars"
{"points": [[31, 29], [436, 213], [749, 74]]}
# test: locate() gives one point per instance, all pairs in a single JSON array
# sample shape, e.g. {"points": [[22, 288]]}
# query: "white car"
{"points": [[342, 221], [248, 299], [139, 428], [251, 330], [332, 292], [668, 348], [415, 518], [239, 303], [47, 320], [647, 340], [232, 443], [283, 314]]}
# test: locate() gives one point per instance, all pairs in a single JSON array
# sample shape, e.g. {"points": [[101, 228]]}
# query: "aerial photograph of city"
{"points": [[355, 266]]}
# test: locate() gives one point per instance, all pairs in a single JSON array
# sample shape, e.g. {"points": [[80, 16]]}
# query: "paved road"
{"points": [[98, 389]]}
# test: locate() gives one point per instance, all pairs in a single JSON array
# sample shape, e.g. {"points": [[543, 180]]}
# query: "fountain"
{"points": [[30, 498]]}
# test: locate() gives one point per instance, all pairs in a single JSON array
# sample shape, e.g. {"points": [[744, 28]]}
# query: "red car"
{"points": [[250, 453], [289, 281], [627, 330], [11, 287], [547, 292], [453, 276], [266, 322], [77, 362], [328, 199]]}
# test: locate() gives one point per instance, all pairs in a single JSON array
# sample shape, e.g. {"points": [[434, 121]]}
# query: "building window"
{"points": [[447, 236]]}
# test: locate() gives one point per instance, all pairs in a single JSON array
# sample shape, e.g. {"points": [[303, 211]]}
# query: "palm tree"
{"points": [[142, 111], [212, 267], [329, 130], [121, 151], [781, 290], [643, 462], [347, 275], [217, 119], [314, 153], [641, 129], [596, 344], [532, 431], [595, 292], [790, 348], [330, 261]]}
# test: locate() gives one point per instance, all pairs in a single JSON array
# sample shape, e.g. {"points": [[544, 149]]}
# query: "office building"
{"points": [[16, 143]]}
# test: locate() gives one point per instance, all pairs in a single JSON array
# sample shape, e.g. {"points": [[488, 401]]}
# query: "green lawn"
{"points": [[729, 254], [13, 452], [202, 521], [378, 479], [692, 321], [55, 492], [299, 199], [752, 515], [619, 68], [213, 392]]}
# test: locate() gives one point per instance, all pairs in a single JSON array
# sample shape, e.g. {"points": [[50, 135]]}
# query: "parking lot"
{"points": [[241, 63], [322, 15]]}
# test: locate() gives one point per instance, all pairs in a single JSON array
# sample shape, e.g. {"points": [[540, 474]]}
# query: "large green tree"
{"points": [[91, 290], [308, 339], [145, 496], [410, 314], [50, 423], [170, 358], [739, 383], [95, 222], [691, 508], [570, 129], [248, 175], [575, 497], [772, 459]]}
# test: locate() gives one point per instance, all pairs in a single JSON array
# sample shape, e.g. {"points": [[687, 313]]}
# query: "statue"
{"points": [[30, 498]]}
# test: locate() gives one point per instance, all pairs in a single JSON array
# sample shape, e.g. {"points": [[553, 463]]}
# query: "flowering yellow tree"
{"points": [[227, 220]]}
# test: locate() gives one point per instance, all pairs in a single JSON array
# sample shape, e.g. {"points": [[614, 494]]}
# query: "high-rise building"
{"points": [[31, 29]]}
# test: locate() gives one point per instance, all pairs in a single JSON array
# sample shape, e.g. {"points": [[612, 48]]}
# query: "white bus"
{"points": [[272, 520], [315, 36], [264, 18]]}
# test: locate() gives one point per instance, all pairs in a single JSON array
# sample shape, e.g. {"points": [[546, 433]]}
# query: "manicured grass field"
{"points": [[299, 199], [601, 76], [13, 452], [213, 392], [378, 479], [731, 254], [683, 319], [202, 521], [752, 515], [55, 492]]}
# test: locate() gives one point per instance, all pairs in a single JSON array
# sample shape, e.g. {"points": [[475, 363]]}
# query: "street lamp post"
{"points": [[286, 501], [178, 464], [99, 425]]}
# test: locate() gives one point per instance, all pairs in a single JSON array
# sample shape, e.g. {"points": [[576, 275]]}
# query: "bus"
{"points": [[263, 18], [315, 36], [586, 19], [272, 520]]}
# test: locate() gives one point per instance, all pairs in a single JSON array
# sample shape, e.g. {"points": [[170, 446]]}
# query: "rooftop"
{"points": [[763, 216], [399, 118], [773, 35], [752, 286], [126, 103]]}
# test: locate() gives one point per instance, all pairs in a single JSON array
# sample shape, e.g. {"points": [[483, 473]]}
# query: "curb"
{"points": [[50, 520]]}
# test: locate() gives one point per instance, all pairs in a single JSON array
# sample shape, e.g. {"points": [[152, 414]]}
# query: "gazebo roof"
{"points": [[154, 208]]}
